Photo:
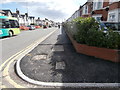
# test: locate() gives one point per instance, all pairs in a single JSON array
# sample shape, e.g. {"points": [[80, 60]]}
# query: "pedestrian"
{"points": [[58, 26]]}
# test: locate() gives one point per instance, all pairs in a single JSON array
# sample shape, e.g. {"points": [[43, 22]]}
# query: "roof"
{"points": [[22, 15], [2, 11], [31, 17], [6, 11], [88, 1]]}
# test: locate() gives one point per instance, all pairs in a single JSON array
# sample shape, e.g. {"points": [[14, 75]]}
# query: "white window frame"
{"points": [[111, 14], [85, 8], [95, 4], [98, 15], [116, 11]]}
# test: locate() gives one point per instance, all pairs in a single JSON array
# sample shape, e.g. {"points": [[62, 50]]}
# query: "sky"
{"points": [[56, 10]]}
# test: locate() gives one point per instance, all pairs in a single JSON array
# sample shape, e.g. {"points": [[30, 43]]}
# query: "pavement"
{"points": [[55, 60]]}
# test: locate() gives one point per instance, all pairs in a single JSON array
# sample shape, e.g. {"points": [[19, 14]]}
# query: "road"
{"points": [[12, 45]]}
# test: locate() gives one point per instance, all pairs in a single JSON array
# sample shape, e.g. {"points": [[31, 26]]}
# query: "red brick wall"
{"points": [[80, 12], [89, 10], [105, 4], [85, 15], [98, 11], [103, 12], [105, 15], [114, 5], [89, 7]]}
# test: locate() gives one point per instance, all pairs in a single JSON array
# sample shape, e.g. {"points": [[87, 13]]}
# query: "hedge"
{"points": [[86, 31]]}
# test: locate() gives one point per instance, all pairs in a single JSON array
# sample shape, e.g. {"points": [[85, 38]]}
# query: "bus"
{"points": [[9, 26]]}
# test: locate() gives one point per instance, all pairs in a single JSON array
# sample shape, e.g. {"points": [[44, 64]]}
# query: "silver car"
{"points": [[31, 27]]}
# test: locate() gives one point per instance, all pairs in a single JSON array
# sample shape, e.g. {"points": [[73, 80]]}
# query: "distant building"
{"points": [[38, 21], [2, 13], [7, 13], [22, 19]]}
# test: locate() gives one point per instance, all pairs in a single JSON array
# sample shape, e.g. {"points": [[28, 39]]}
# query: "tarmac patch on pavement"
{"points": [[62, 64], [58, 48]]}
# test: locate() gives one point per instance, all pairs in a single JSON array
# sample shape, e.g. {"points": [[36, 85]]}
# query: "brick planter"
{"points": [[103, 53]]}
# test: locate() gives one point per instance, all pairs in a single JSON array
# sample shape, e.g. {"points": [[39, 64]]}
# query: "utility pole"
{"points": [[27, 13]]}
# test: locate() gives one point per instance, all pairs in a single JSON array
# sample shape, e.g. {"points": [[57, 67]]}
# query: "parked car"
{"points": [[56, 25], [50, 26], [37, 26], [44, 26], [115, 26], [31, 27], [24, 28]]}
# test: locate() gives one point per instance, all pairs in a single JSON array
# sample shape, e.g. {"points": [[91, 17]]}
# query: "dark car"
{"points": [[115, 26], [44, 26], [50, 26]]}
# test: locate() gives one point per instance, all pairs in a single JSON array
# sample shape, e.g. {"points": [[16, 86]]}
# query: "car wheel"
{"points": [[10, 34]]}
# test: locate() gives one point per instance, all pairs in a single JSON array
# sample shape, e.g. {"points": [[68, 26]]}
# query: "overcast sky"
{"points": [[56, 10]]}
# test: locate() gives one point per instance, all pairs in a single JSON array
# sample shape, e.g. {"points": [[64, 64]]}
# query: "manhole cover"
{"points": [[40, 57], [58, 48]]}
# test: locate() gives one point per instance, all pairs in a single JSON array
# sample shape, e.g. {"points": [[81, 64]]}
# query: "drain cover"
{"points": [[58, 48], [40, 57]]}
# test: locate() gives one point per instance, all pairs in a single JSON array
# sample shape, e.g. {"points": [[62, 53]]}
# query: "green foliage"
{"points": [[86, 31]]}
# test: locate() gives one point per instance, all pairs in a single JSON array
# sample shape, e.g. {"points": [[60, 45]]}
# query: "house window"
{"points": [[85, 9], [98, 18], [97, 4], [94, 5], [112, 17]]}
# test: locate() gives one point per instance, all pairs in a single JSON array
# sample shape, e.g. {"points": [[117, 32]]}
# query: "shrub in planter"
{"points": [[86, 31], [112, 40]]}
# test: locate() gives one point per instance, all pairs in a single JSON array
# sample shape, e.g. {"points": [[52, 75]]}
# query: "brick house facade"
{"points": [[101, 10], [86, 9], [114, 12]]}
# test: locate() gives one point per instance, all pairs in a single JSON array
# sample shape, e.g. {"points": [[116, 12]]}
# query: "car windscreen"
{"points": [[113, 26]]}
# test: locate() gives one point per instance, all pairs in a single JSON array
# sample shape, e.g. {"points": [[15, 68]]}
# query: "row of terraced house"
{"points": [[101, 10], [25, 19]]}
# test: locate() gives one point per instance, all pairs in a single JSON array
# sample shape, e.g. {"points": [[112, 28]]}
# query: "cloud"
{"points": [[49, 13], [45, 10], [53, 9]]}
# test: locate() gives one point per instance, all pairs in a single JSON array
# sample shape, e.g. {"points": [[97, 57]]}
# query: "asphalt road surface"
{"points": [[11, 45]]}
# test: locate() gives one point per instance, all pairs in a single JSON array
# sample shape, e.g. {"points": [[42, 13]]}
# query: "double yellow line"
{"points": [[14, 57]]}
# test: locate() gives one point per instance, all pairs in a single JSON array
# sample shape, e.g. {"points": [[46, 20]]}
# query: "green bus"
{"points": [[9, 26]]}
